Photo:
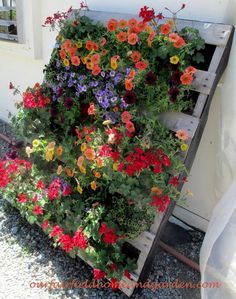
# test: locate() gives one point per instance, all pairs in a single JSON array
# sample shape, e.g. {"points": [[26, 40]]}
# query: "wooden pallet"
{"points": [[219, 36]]}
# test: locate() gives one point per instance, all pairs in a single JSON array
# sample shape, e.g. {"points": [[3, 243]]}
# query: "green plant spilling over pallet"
{"points": [[100, 165]]}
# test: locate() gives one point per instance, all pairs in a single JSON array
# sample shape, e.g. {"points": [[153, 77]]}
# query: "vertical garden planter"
{"points": [[218, 38], [99, 160]]}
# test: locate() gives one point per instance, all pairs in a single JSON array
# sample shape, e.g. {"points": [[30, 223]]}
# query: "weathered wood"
{"points": [[177, 121], [203, 82]]}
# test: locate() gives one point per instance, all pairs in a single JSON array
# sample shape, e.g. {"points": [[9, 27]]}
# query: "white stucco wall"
{"points": [[18, 65]]}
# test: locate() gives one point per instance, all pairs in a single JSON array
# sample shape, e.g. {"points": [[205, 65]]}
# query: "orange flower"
{"points": [[132, 30], [141, 26], [72, 51], [99, 162], [89, 154], [132, 22], [62, 54], [93, 185], [128, 84], [132, 74], [121, 36], [133, 39], [97, 174], [173, 37], [95, 59], [130, 127], [96, 70], [186, 79], [112, 25], [165, 29], [59, 151], [103, 41], [126, 117], [116, 109], [89, 65], [156, 190], [104, 52], [75, 60], [135, 56], [89, 45], [179, 43], [69, 172], [95, 47], [122, 24], [67, 44], [141, 65], [191, 70], [182, 135]]}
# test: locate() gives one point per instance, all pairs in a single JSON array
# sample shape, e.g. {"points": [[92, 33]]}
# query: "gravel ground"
{"points": [[27, 256]]}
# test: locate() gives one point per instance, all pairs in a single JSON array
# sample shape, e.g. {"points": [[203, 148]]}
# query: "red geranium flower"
{"points": [[38, 210], [99, 274], [56, 231]]}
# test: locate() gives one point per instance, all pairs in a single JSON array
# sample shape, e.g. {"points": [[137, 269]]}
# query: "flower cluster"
{"points": [[102, 163]]}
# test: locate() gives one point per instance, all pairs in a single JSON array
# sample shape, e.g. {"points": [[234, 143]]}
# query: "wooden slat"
{"points": [[177, 121], [201, 101], [203, 81], [156, 224], [143, 242]]}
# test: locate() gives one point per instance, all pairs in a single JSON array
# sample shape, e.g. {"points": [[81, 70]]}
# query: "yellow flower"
{"points": [[114, 64], [184, 147], [49, 155], [79, 189], [189, 192], [93, 185], [35, 143], [106, 122], [115, 166], [66, 62], [83, 147], [79, 44], [174, 59], [59, 150], [84, 59], [28, 151], [82, 169]]}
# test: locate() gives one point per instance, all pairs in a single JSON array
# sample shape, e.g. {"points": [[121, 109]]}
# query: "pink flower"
{"points": [[182, 135], [126, 117]]}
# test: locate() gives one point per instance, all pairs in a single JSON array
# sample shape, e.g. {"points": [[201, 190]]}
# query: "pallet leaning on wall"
{"points": [[219, 37]]}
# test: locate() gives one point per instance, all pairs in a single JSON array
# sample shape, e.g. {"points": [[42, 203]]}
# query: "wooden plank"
{"points": [[156, 224], [203, 82], [177, 121], [143, 242], [217, 56], [201, 101]]}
